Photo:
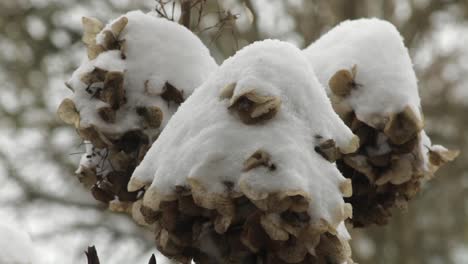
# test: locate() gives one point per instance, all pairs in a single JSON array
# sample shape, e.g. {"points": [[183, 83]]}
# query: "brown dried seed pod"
{"points": [[342, 82], [172, 94], [359, 163], [333, 249], [101, 195], [123, 49], [87, 176], [109, 41], [271, 223], [328, 150], [107, 114], [253, 108], [118, 26], [401, 170], [403, 126], [382, 160], [95, 76], [293, 251], [113, 92], [259, 158], [152, 116], [440, 157], [91, 27], [91, 134], [68, 113], [150, 216], [253, 236]]}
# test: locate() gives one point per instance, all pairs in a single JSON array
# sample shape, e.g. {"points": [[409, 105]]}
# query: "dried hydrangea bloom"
{"points": [[369, 78], [139, 69], [244, 170]]}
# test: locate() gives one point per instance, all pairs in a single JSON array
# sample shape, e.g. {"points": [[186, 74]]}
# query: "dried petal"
{"points": [[68, 113], [328, 150], [109, 41], [94, 50], [118, 26], [91, 27], [253, 108]]}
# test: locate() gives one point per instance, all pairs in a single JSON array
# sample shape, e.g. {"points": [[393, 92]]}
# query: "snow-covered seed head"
{"points": [[343, 82]]}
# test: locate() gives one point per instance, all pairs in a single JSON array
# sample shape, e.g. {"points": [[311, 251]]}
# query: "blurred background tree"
{"points": [[40, 46]]}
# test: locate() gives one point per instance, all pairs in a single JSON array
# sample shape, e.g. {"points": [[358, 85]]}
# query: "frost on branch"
{"points": [[244, 170], [370, 80], [138, 70]]}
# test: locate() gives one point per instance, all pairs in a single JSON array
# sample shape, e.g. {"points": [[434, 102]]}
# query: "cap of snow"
{"points": [[386, 81], [16, 246], [207, 143], [157, 51]]}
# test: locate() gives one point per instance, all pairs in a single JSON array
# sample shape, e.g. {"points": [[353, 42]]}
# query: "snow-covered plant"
{"points": [[258, 165], [370, 80], [139, 69], [244, 170]]}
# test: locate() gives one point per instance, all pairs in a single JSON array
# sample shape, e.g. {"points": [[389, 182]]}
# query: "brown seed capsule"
{"points": [[113, 92], [68, 113], [101, 195], [403, 126], [107, 114], [171, 94], [259, 158], [342, 82], [328, 150], [359, 163], [152, 116]]}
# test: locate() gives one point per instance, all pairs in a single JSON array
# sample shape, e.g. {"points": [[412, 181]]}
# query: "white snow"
{"points": [[206, 142], [16, 246], [387, 81], [158, 51]]}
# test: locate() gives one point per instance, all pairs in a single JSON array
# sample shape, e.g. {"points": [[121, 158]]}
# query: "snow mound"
{"points": [[15, 244], [369, 77], [261, 127]]}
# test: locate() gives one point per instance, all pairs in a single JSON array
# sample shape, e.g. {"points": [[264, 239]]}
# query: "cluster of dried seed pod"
{"points": [[391, 163]]}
